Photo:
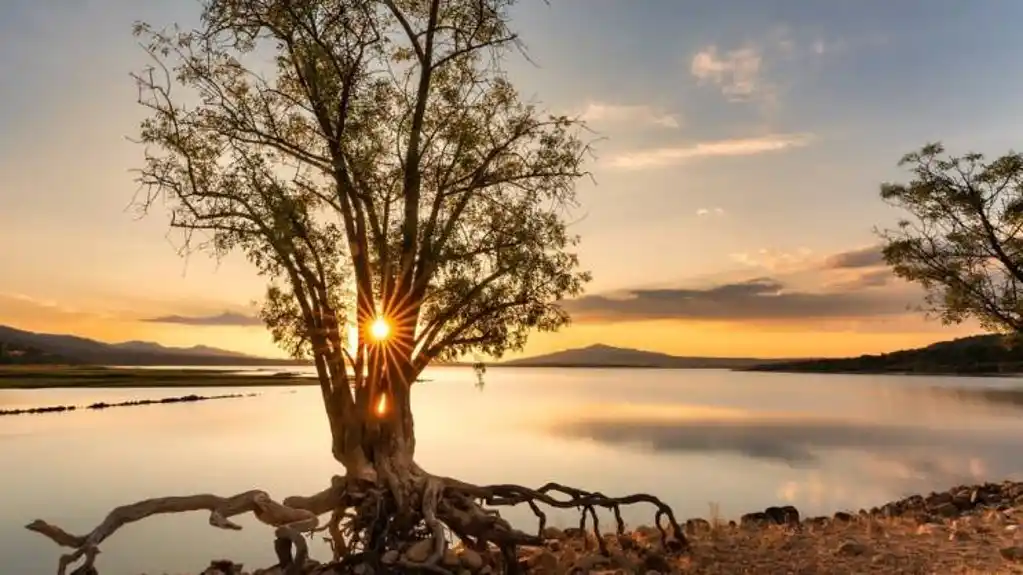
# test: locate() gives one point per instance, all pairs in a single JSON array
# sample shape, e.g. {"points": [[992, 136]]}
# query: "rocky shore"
{"points": [[969, 529]]}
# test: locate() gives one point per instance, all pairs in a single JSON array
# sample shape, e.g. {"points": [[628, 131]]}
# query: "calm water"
{"points": [[741, 440]]}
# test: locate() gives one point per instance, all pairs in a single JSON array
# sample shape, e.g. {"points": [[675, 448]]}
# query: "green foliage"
{"points": [[961, 240], [381, 158], [983, 354]]}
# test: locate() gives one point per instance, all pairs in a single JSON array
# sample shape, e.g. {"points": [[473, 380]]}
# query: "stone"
{"points": [[1013, 553], [389, 557], [450, 558], [851, 548], [654, 561], [419, 551], [929, 529], [545, 562], [818, 521], [843, 517], [553, 533], [471, 560], [946, 509], [753, 520], [958, 535], [697, 525], [590, 562], [783, 515]]}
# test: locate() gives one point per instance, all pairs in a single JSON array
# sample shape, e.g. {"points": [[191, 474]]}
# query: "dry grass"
{"points": [[968, 545]]}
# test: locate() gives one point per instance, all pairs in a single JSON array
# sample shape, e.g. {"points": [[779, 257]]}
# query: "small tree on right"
{"points": [[962, 239]]}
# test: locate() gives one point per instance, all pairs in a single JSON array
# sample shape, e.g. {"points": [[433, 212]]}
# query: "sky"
{"points": [[735, 192]]}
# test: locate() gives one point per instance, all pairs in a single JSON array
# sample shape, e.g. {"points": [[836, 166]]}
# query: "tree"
{"points": [[962, 240], [405, 205]]}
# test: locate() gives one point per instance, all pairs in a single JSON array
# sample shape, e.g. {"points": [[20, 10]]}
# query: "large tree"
{"points": [[372, 160], [962, 238]]}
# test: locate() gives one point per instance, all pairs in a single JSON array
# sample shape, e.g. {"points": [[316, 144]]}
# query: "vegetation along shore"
{"points": [[59, 376], [191, 398], [965, 530]]}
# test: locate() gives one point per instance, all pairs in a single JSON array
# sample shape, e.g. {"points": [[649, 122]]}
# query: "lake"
{"points": [[740, 440]]}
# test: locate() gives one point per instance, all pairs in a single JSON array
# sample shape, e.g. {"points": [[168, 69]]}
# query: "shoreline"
{"points": [[95, 377], [967, 530]]}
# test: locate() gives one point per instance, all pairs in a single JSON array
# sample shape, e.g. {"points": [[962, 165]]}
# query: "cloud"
{"points": [[224, 319], [775, 260], [597, 112], [867, 257], [710, 211], [764, 299], [737, 73], [667, 156]]}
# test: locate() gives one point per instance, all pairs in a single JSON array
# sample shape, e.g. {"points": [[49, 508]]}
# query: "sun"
{"points": [[379, 329]]}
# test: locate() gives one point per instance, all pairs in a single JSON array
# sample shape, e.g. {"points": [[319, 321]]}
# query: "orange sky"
{"points": [[732, 214]]}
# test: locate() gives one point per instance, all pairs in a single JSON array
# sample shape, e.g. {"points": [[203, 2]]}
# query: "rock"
{"points": [[471, 559], [851, 548], [752, 520], [588, 563], [1013, 553], [568, 558], [218, 567], [419, 551], [450, 558], [935, 499], [697, 525], [784, 515], [553, 533], [622, 561], [818, 521], [843, 517], [389, 557], [545, 562], [574, 533], [654, 561], [946, 509], [627, 542], [929, 529], [958, 535]]}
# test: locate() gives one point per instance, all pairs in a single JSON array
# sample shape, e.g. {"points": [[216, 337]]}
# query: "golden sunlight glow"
{"points": [[380, 329], [381, 407]]}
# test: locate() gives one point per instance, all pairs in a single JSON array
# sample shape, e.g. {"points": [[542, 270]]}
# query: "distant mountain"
{"points": [[73, 349], [976, 355], [606, 356]]}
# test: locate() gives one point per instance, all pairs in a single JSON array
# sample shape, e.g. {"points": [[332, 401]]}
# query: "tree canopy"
{"points": [[383, 163], [961, 238]]}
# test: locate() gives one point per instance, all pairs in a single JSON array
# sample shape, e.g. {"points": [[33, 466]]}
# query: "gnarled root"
{"points": [[295, 515], [401, 523]]}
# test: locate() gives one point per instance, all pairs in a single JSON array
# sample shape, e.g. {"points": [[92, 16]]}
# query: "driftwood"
{"points": [[366, 522]]}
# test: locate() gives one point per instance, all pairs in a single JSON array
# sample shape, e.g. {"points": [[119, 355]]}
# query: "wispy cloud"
{"points": [[757, 299], [868, 257], [737, 73], [775, 260], [597, 112], [667, 156], [223, 319], [703, 212]]}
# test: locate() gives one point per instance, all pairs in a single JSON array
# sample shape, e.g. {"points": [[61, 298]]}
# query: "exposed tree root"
{"points": [[400, 523]]}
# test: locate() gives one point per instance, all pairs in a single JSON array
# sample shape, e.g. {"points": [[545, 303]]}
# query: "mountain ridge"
{"points": [[603, 355], [65, 348]]}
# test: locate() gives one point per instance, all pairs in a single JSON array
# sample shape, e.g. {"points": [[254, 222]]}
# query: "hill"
{"points": [[31, 347], [607, 356], [975, 355]]}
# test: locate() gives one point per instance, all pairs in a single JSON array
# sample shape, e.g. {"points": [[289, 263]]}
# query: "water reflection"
{"points": [[741, 440]]}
